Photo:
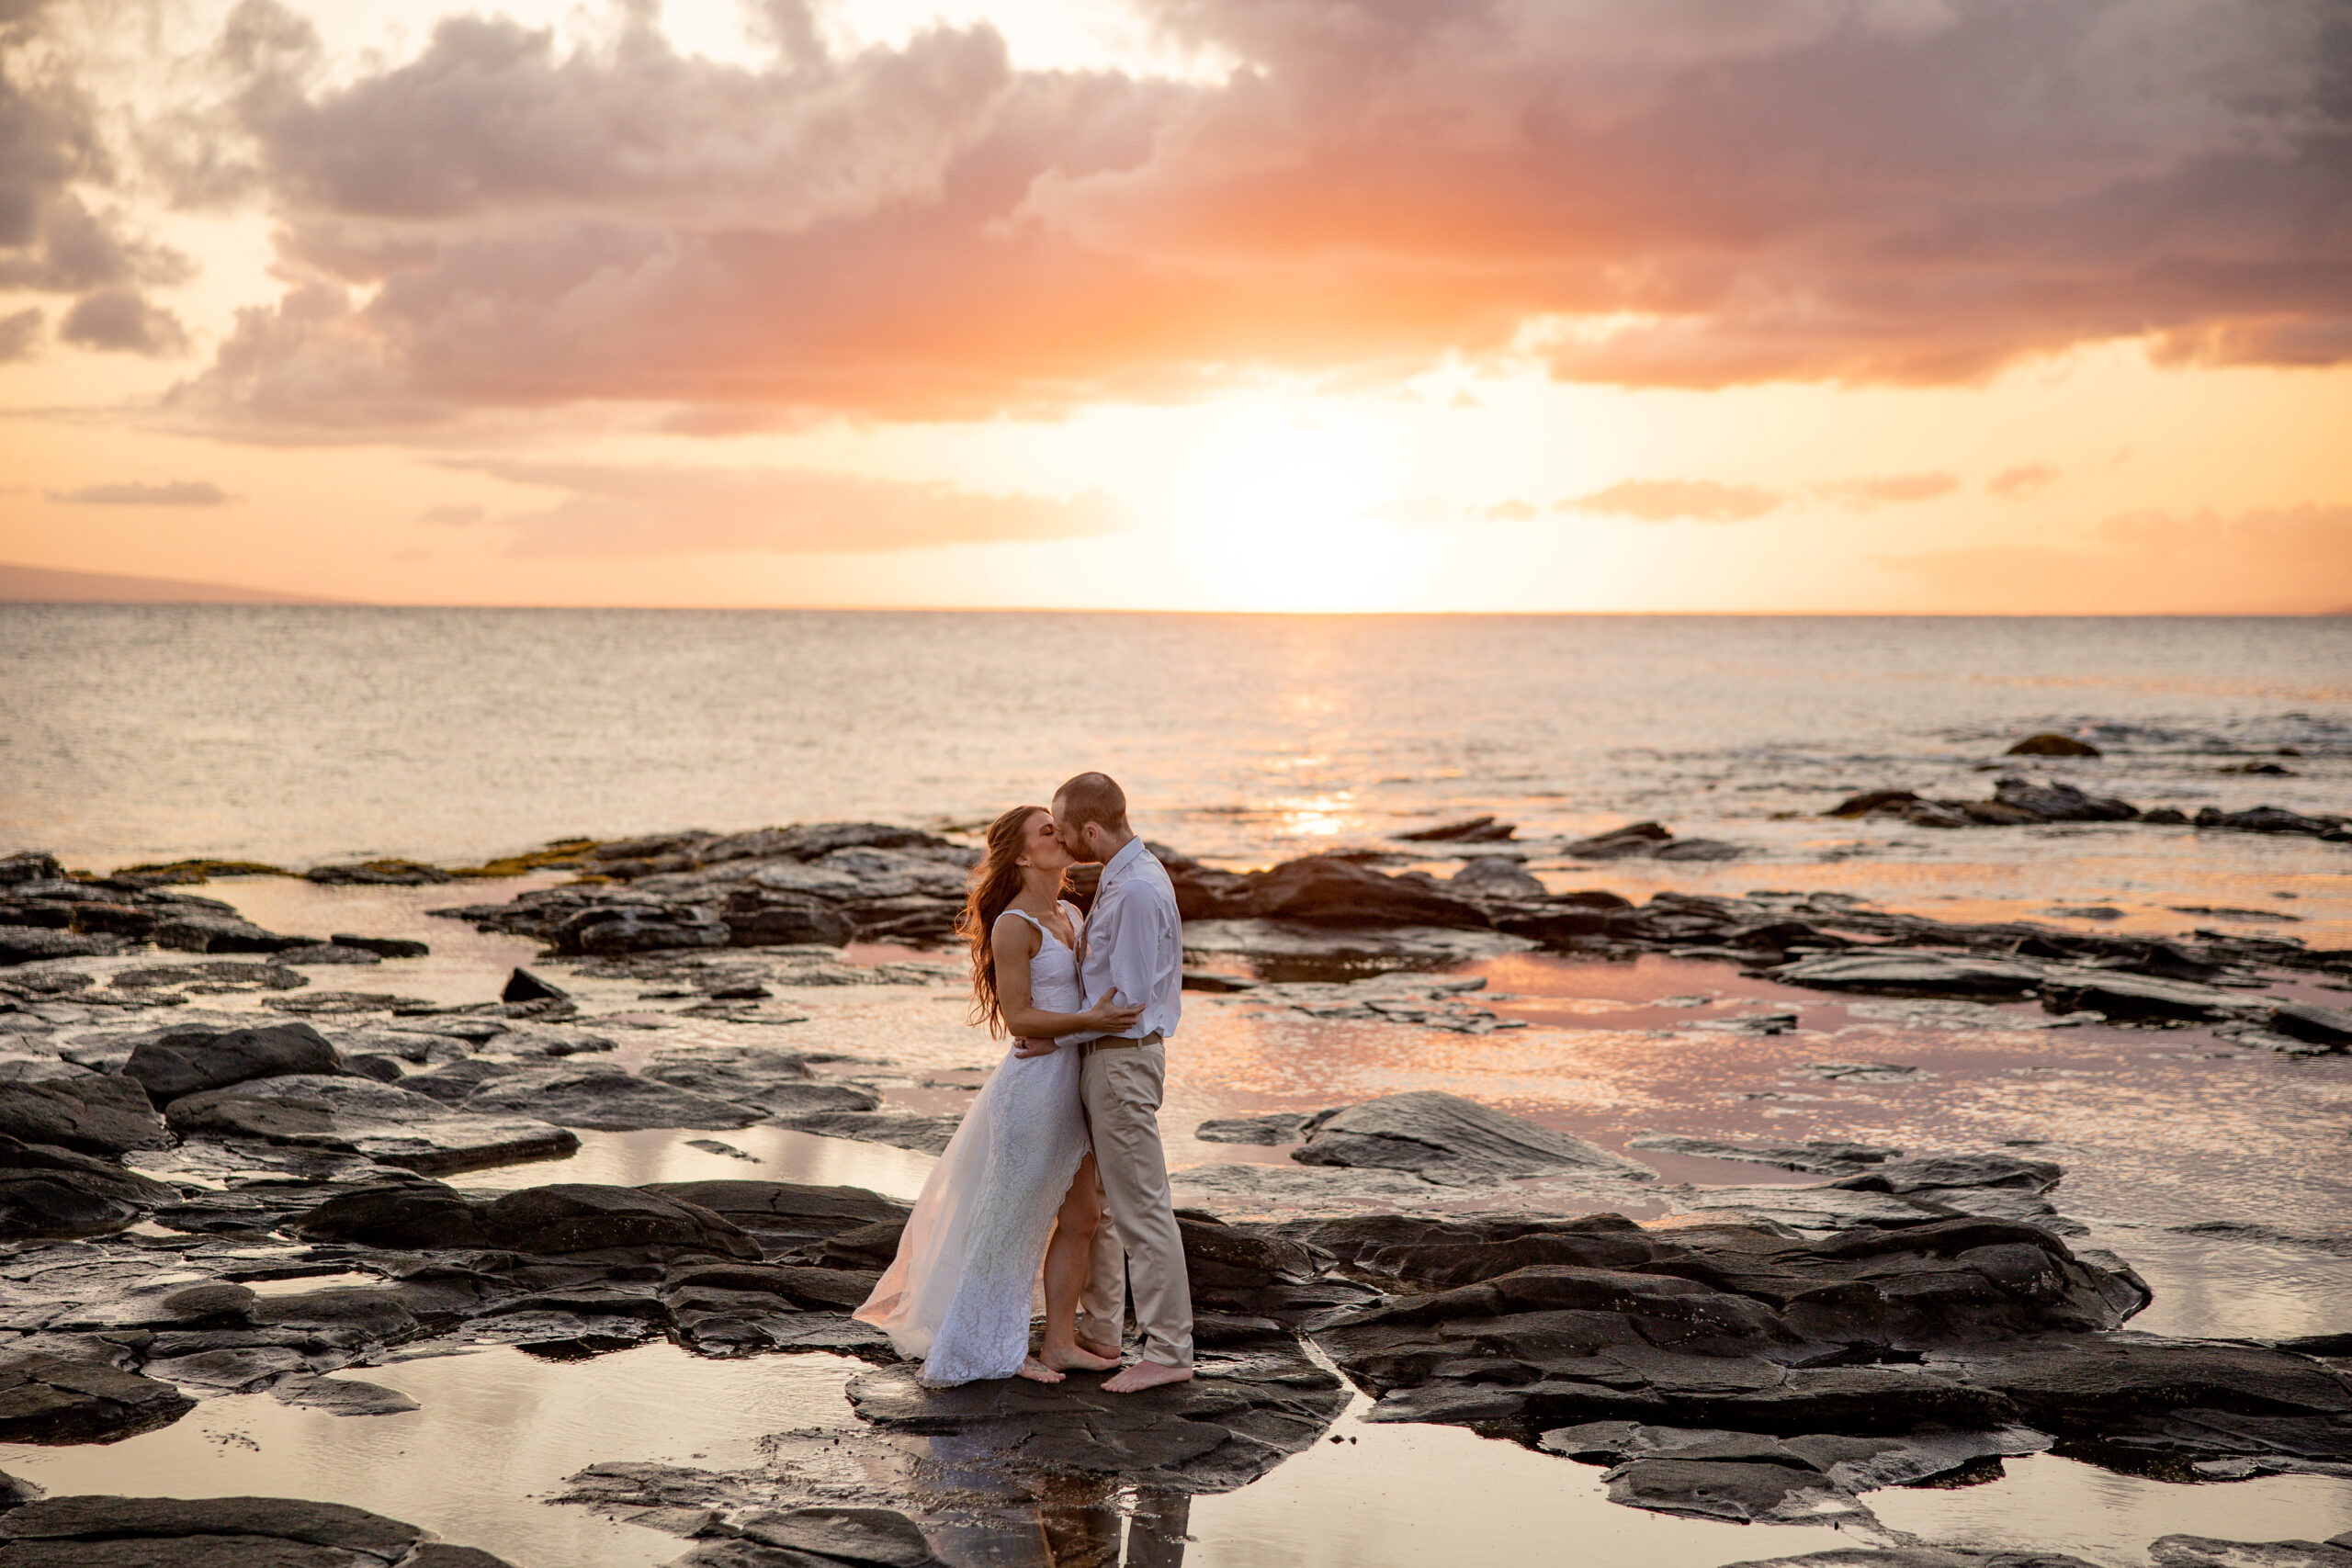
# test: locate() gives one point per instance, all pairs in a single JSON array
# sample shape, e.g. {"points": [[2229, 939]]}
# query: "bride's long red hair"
{"points": [[995, 883]]}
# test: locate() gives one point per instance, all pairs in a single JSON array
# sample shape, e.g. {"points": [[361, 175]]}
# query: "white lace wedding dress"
{"points": [[962, 1290]]}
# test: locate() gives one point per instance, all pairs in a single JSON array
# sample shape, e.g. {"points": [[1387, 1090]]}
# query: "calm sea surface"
{"points": [[297, 735]]}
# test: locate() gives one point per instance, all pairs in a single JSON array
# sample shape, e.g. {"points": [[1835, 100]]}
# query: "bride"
{"points": [[1016, 1186]]}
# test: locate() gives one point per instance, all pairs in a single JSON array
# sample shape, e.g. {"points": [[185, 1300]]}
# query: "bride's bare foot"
{"points": [[1037, 1371], [1147, 1374], [1101, 1352], [1078, 1359]]}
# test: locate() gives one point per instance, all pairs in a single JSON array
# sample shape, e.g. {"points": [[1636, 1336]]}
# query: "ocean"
{"points": [[301, 735]]}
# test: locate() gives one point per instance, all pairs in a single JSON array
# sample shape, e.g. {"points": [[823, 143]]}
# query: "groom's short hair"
{"points": [[1096, 798]]}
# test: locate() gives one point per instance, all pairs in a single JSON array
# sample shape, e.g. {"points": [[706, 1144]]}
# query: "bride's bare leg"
{"points": [[1066, 1256]]}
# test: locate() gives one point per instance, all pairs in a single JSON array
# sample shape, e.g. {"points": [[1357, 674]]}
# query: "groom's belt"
{"points": [[1114, 1041]]}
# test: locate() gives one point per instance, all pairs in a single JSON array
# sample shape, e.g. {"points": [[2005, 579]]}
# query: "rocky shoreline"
{"points": [[171, 1173]]}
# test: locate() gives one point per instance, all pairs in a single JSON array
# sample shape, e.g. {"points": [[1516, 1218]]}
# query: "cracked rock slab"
{"points": [[216, 1532], [57, 1399]]}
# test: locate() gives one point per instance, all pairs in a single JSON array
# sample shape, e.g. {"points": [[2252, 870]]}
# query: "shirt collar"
{"points": [[1122, 860]]}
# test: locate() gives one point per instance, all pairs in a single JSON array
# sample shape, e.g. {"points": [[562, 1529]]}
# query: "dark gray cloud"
{"points": [[174, 492], [123, 322], [20, 334], [52, 239], [1859, 191]]}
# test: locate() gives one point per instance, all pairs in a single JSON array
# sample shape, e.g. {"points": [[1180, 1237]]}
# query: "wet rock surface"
{"points": [[1428, 1129], [1236, 1419], [217, 1532]]}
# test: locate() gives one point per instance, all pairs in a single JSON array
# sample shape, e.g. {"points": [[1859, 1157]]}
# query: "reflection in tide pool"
{"points": [[498, 1427], [762, 1154]]}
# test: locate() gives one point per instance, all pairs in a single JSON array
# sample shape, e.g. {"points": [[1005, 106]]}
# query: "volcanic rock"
{"points": [[46, 1190], [1923, 1172], [603, 1098], [57, 1399], [1474, 831], [2053, 801], [1920, 1557], [880, 1536], [1632, 840], [29, 944], [202, 932], [1324, 891], [923, 1135], [92, 1111], [523, 985], [1430, 1130], [1914, 974], [1743, 1489], [2134, 1000], [185, 1061], [1704, 1320], [1819, 1156], [765, 917], [215, 1532], [341, 1396], [774, 1081], [2309, 1021], [2271, 819], [1236, 1420], [410, 1217], [2050, 744], [325, 953], [578, 1217], [606, 928], [1273, 1129], [1493, 877], [785, 1214], [385, 872], [389, 1123], [382, 946], [2204, 1552]]}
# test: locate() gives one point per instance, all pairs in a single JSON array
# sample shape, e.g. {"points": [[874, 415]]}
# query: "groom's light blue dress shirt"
{"points": [[1134, 941]]}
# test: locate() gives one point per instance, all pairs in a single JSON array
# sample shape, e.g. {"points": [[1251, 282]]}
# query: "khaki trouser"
{"points": [[1120, 1086]]}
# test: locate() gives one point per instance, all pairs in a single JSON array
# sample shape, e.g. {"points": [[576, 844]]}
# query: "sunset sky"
{"points": [[1993, 306]]}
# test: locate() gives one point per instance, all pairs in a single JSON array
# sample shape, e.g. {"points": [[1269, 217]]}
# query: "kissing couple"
{"points": [[1057, 1171]]}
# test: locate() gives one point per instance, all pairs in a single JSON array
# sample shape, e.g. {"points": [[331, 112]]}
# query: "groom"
{"points": [[1134, 944]]}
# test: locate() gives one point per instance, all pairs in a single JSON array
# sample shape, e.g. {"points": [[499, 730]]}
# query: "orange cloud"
{"points": [[656, 510], [2024, 480], [1667, 500], [177, 493], [1837, 191], [1888, 489]]}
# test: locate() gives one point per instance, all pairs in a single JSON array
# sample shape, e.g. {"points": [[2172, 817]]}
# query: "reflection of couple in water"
{"points": [[1056, 1173]]}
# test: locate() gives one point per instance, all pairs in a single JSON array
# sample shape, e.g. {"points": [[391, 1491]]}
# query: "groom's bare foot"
{"points": [[1147, 1374], [1078, 1360], [1100, 1351], [1037, 1371]]}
